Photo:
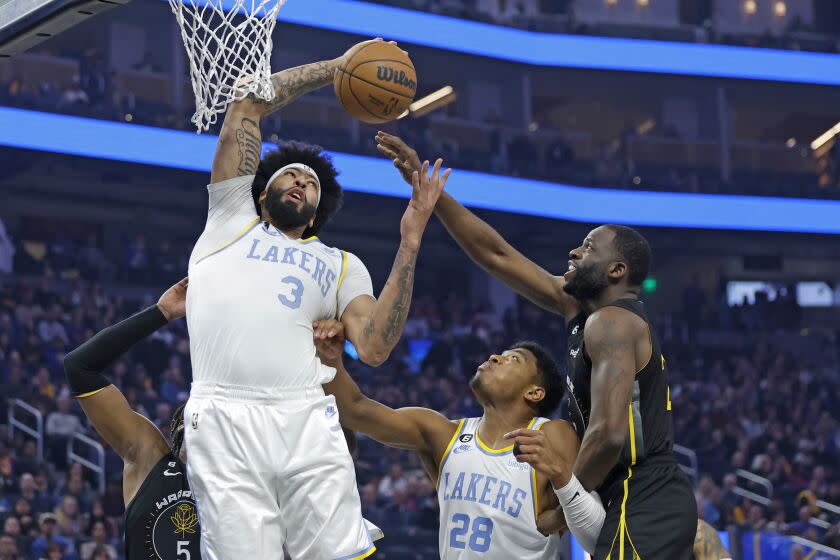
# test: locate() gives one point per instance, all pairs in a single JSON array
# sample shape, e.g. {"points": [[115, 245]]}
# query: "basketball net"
{"points": [[229, 46]]}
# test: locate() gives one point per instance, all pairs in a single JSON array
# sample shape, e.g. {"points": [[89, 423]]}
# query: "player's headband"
{"points": [[299, 167]]}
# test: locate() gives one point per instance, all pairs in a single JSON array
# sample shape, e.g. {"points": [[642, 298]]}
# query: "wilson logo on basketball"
{"points": [[399, 77]]}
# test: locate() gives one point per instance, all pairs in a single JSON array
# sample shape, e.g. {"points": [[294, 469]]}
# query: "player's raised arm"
{"points": [[413, 428], [610, 338], [483, 244], [374, 326], [240, 142], [135, 439]]}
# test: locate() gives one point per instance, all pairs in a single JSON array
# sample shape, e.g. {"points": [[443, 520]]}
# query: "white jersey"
{"points": [[254, 293], [488, 502]]}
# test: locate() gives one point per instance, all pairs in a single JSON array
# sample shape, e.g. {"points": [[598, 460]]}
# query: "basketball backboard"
{"points": [[25, 23]]}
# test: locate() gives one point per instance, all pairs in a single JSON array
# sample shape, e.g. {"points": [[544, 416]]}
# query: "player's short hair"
{"points": [[635, 250], [176, 430], [549, 374], [314, 156]]}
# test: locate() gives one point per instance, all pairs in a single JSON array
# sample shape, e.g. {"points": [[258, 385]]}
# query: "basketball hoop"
{"points": [[226, 40]]}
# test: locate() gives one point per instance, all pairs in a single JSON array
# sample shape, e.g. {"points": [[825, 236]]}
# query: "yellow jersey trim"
{"points": [[492, 451], [239, 236], [91, 393], [632, 435], [364, 554], [448, 447], [343, 270]]}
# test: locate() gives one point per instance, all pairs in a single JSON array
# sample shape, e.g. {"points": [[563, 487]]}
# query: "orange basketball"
{"points": [[378, 83]]}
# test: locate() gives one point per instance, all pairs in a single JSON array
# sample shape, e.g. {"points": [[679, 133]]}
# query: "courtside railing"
{"points": [[687, 459], [16, 422], [756, 480], [92, 447]]}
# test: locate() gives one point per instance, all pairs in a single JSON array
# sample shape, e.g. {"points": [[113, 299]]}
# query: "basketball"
{"points": [[377, 84]]}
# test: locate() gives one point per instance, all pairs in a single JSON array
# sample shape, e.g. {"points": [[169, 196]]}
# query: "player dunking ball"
{"points": [[160, 515], [616, 379], [489, 502], [269, 465]]}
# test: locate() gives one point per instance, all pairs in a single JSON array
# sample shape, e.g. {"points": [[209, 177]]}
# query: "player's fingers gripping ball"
{"points": [[376, 81]]}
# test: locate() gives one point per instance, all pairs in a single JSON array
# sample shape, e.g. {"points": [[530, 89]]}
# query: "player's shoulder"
{"points": [[613, 322], [561, 431]]}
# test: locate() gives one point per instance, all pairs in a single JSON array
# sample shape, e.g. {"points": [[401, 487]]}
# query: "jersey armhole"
{"points": [[445, 455]]}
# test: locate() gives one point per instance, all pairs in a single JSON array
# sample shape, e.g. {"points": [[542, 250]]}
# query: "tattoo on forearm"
{"points": [[294, 82], [248, 141], [402, 274], [707, 544]]}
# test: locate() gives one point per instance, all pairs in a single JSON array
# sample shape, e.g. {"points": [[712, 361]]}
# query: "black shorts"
{"points": [[651, 514]]}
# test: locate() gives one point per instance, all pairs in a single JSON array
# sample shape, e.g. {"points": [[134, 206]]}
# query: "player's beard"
{"points": [[285, 214], [587, 284]]}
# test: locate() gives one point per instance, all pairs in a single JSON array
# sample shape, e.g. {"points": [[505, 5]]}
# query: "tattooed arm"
{"points": [[375, 326], [707, 543], [239, 148], [610, 339]]}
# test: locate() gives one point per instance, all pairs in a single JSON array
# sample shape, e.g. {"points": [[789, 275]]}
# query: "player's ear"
{"points": [[262, 196], [535, 394], [617, 269]]}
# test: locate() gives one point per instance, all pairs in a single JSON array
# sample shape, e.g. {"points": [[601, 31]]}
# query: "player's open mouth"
{"points": [[295, 194], [571, 271]]}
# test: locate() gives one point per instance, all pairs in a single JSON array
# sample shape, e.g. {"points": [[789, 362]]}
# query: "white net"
{"points": [[229, 46]]}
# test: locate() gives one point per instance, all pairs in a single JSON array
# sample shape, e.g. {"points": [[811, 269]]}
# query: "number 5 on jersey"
{"points": [[293, 292]]}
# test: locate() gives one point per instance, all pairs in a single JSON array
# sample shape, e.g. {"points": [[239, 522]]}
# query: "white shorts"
{"points": [[269, 470]]}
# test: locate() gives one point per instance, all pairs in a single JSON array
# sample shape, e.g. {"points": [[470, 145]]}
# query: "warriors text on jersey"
{"points": [[161, 522], [488, 502], [255, 292], [650, 428]]}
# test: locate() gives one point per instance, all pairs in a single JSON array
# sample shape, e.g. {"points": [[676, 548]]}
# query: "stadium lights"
{"points": [[825, 137], [435, 100], [750, 7], [780, 9]]}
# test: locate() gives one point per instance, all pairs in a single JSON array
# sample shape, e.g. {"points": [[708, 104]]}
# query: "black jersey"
{"points": [[651, 432], [161, 522]]}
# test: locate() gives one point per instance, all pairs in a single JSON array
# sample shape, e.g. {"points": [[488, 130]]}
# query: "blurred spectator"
{"points": [[7, 250], [393, 482], [98, 543], [50, 538], [136, 259], [50, 326], [8, 547], [69, 518]]}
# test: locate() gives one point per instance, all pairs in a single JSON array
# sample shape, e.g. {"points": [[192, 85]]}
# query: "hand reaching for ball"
{"points": [[405, 158]]}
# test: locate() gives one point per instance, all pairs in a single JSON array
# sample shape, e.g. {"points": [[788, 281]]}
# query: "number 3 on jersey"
{"points": [[293, 292], [479, 541]]}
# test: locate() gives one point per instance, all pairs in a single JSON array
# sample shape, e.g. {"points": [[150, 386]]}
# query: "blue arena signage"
{"points": [[568, 51], [186, 150]]}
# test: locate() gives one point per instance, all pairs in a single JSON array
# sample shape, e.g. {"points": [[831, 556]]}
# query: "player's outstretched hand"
{"points": [[425, 192], [534, 448], [405, 158], [329, 339], [173, 302], [552, 521]]}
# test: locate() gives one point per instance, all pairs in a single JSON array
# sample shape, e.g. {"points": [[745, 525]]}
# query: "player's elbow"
{"points": [[374, 355]]}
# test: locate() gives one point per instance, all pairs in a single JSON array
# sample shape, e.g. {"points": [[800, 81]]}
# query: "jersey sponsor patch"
{"points": [[465, 438]]}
